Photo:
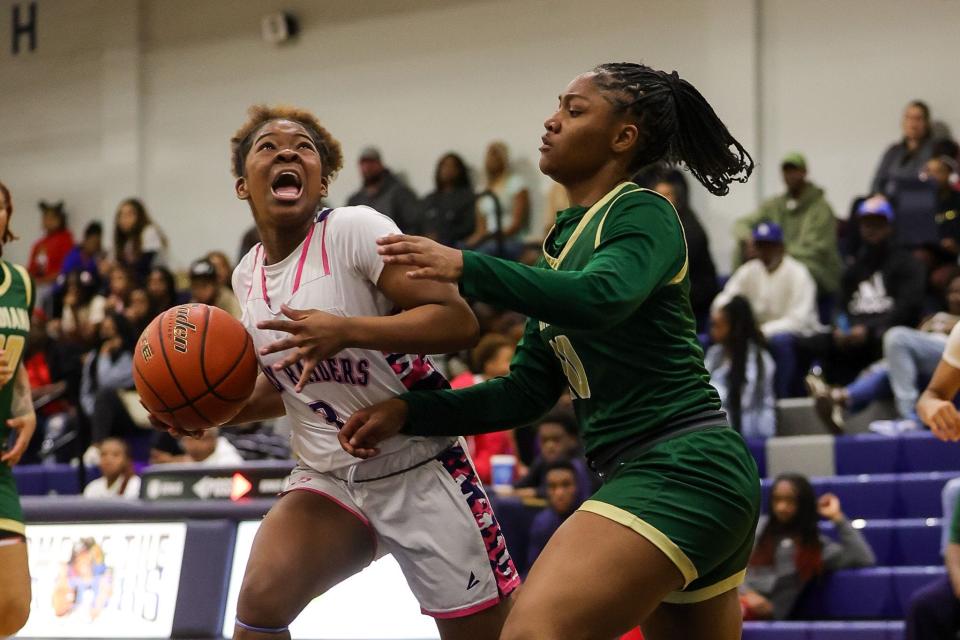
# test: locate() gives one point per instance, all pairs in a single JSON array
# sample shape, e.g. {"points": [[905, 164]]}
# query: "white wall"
{"points": [[126, 97]]}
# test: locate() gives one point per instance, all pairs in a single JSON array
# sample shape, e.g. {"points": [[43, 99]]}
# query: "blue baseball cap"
{"points": [[768, 232], [876, 206]]}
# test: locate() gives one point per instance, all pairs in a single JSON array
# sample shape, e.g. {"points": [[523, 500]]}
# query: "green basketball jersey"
{"points": [[16, 305], [610, 317], [635, 374]]}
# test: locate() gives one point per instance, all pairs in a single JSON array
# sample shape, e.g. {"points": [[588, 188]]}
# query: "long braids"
{"points": [[676, 124], [743, 332]]}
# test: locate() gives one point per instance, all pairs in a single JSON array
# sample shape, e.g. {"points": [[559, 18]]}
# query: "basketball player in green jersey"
{"points": [[16, 414], [665, 541]]}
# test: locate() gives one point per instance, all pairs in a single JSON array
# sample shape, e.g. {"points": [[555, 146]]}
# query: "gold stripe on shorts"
{"points": [[6, 524], [648, 531], [708, 592]]}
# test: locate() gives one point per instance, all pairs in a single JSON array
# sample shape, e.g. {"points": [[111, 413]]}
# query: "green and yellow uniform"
{"points": [[16, 305], [610, 318]]}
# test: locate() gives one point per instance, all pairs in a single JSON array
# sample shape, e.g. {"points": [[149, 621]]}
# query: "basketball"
{"points": [[194, 366]]}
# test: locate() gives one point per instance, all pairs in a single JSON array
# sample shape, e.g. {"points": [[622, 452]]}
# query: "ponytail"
{"points": [[676, 124]]}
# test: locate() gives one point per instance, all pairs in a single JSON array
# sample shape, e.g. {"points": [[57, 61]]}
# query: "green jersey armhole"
{"points": [[682, 273], [27, 285]]}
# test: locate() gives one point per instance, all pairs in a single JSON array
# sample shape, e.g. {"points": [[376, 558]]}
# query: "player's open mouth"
{"points": [[287, 187]]}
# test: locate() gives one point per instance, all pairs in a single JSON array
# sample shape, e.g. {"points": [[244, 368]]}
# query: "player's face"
{"points": [[561, 490], [283, 180], [583, 134], [783, 502]]}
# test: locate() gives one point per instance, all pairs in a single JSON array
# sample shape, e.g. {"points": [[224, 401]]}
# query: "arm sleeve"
{"points": [[530, 390], [357, 230], [851, 549], [641, 250]]}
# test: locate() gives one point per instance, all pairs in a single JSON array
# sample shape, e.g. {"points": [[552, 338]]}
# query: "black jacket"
{"points": [[883, 288]]}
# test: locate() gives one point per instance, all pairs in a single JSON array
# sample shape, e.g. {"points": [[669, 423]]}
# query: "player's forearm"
{"points": [[429, 328], [594, 298], [494, 405], [265, 403], [22, 403]]}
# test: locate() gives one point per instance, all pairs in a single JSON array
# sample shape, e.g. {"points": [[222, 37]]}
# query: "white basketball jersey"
{"points": [[335, 270]]}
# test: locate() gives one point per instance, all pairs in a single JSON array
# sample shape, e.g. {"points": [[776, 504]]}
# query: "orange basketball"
{"points": [[194, 366]]}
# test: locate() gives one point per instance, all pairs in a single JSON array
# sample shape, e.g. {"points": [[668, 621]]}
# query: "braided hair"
{"points": [[676, 124]]}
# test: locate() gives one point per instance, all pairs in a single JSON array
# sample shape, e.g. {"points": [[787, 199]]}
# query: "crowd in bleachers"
{"points": [[846, 311]]}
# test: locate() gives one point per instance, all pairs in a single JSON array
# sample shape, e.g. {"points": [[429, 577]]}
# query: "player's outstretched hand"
{"points": [[24, 425], [314, 336], [433, 260], [369, 427]]}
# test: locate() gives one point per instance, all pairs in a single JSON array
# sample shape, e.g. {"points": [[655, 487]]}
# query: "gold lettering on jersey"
{"points": [[146, 352], [14, 318], [181, 328], [543, 325]]}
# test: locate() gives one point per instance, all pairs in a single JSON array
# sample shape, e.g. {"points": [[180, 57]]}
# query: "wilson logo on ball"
{"points": [[181, 327]]}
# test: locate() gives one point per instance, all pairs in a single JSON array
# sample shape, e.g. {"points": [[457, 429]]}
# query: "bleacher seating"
{"points": [[875, 630], [42, 480], [900, 543]]}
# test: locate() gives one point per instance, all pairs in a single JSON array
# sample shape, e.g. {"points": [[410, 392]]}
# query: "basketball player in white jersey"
{"points": [[420, 499]]}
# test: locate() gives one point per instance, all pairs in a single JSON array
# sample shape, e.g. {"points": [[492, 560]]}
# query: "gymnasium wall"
{"points": [[125, 97]]}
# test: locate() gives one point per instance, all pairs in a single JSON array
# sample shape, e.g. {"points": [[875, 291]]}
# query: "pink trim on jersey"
{"points": [[462, 613], [359, 516], [303, 257], [263, 285], [323, 248], [256, 261]]}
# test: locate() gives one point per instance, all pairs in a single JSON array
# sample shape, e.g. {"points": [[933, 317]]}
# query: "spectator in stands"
{"points": [[53, 368], [117, 478], [563, 498], [137, 312], [449, 211], [809, 226], [934, 610], [741, 369], [138, 243], [122, 281], [790, 550], [107, 371], [905, 159], [783, 297], [81, 310], [162, 290], [205, 288], [210, 450], [383, 191], [84, 257], [556, 200], [221, 264], [489, 359], [910, 357], [47, 254], [503, 208], [249, 240], [883, 288], [943, 171], [558, 437], [703, 273]]}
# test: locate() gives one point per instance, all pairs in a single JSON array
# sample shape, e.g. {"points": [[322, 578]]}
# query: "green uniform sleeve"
{"points": [[641, 249], [529, 391]]}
